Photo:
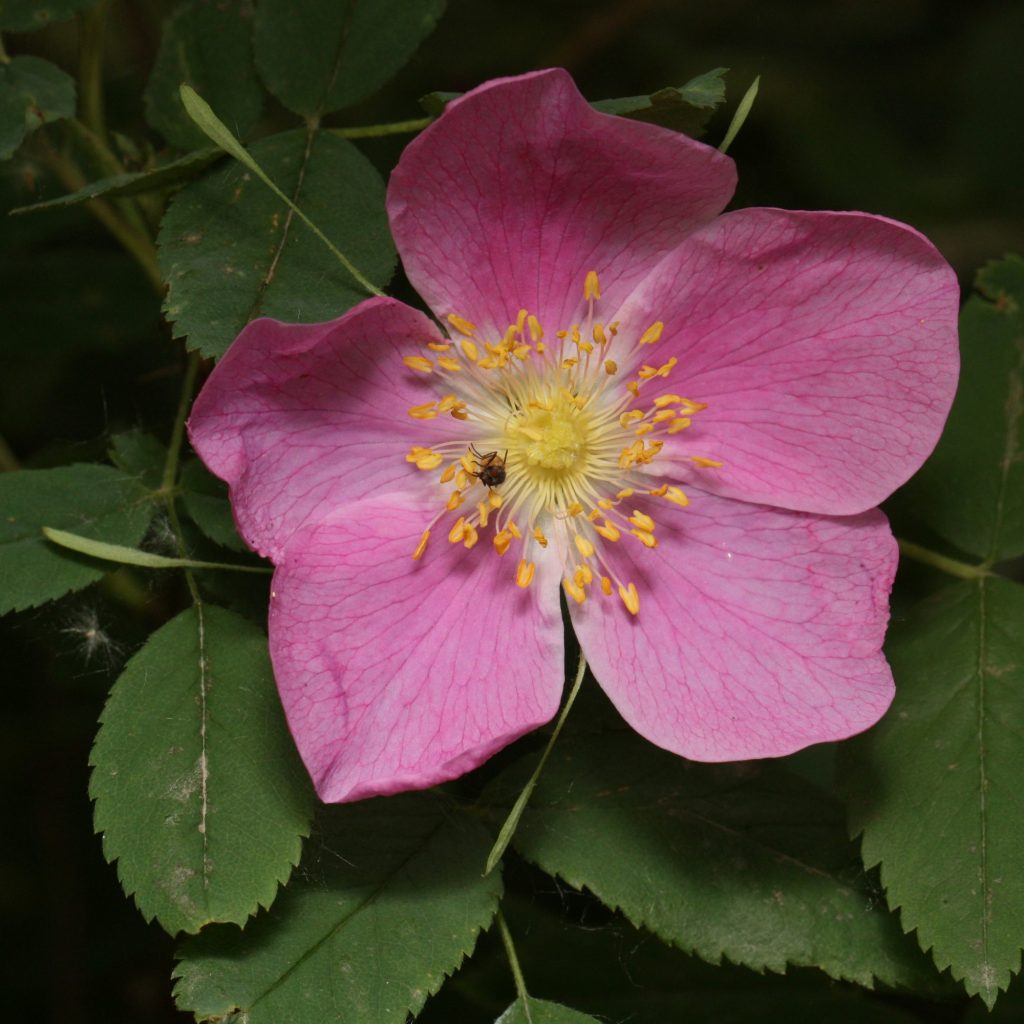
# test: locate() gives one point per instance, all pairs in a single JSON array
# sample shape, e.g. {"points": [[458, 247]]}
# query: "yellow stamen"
{"points": [[680, 424], [453, 365], [495, 499], [583, 546], [630, 598], [611, 367], [439, 346], [626, 492], [591, 286], [455, 500], [541, 539], [514, 530], [419, 363], [678, 496], [422, 546], [484, 509], [524, 574], [647, 539], [502, 541], [461, 325], [423, 412], [458, 531], [576, 592], [469, 350], [448, 474], [470, 536], [642, 521], [606, 586], [599, 336], [608, 530], [652, 334], [536, 331], [662, 400], [699, 460]]}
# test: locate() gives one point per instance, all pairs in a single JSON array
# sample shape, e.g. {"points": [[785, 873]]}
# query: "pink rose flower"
{"points": [[682, 419]]}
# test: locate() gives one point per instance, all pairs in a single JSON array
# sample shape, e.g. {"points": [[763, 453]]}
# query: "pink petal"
{"points": [[825, 345], [521, 188], [759, 632], [397, 674], [303, 419]]}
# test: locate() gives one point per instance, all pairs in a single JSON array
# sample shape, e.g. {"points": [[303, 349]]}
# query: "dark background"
{"points": [[907, 108]]}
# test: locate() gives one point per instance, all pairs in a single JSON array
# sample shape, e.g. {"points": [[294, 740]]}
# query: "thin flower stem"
{"points": [[92, 27], [376, 131], [962, 570], [135, 242], [513, 962], [512, 821], [170, 473]]}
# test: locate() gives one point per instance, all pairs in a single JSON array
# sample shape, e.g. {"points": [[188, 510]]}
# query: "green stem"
{"points": [[170, 473], [376, 131], [513, 962], [4, 59], [137, 243], [962, 570], [512, 821], [93, 25]]}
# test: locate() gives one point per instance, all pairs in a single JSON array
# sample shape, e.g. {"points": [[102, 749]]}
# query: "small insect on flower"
{"points": [[490, 468]]}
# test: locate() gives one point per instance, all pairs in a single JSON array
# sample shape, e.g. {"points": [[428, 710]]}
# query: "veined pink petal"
{"points": [[521, 188], [825, 345], [303, 419], [760, 631], [397, 674]]}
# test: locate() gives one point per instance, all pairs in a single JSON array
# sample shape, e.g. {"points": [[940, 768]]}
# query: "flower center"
{"points": [[560, 443]]}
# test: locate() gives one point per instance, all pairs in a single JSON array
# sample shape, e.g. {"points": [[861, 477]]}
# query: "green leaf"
{"points": [[687, 108], [165, 176], [231, 251], [29, 15], [317, 56], [206, 501], [209, 47], [140, 455], [388, 900], [971, 490], [540, 1011], [95, 501], [133, 556], [744, 861], [33, 92], [935, 786], [200, 795]]}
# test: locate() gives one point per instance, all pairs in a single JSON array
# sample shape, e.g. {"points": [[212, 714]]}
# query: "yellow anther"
{"points": [[439, 346], [614, 327], [626, 492], [462, 479], [422, 546], [539, 348], [692, 407], [447, 402], [662, 400], [448, 474], [495, 499], [633, 387], [539, 534], [461, 325], [611, 367], [430, 461], [663, 415], [455, 500], [699, 460], [449, 363], [576, 333], [562, 334], [574, 590], [485, 510], [642, 521], [659, 492], [652, 334], [644, 428], [630, 598], [586, 346], [458, 530], [591, 286], [502, 541], [521, 321], [583, 546], [593, 515], [536, 331], [459, 412], [599, 336], [467, 463], [606, 586], [608, 530], [490, 363], [420, 363], [514, 530], [579, 578], [509, 338], [663, 371], [469, 350], [575, 509], [606, 504], [585, 573], [568, 364], [524, 574], [677, 495], [647, 372], [521, 352], [470, 536], [423, 412], [679, 424], [627, 419], [647, 539]]}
